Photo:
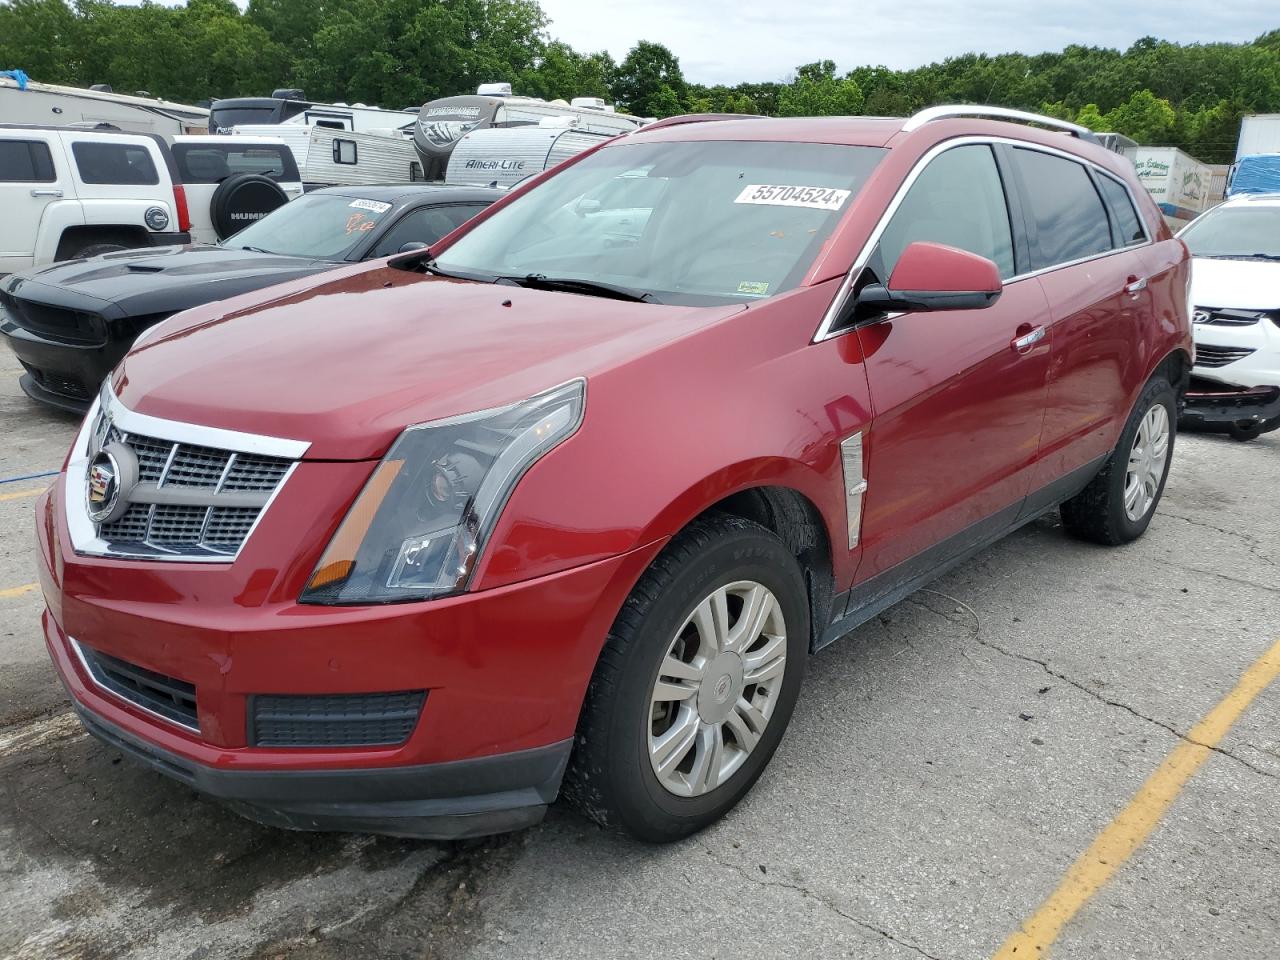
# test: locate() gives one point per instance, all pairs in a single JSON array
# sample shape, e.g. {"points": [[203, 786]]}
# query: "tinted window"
{"points": [[689, 222], [1121, 205], [25, 161], [322, 225], [1251, 231], [119, 163], [213, 163], [1070, 220], [957, 200], [425, 225]]}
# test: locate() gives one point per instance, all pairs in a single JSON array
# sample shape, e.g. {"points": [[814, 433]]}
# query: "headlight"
{"points": [[419, 524]]}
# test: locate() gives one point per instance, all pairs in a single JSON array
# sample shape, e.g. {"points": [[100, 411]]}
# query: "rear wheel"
{"points": [[696, 683], [1118, 503], [95, 249]]}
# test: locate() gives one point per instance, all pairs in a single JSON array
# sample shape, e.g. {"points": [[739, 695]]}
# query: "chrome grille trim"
{"points": [[855, 484], [253, 467]]}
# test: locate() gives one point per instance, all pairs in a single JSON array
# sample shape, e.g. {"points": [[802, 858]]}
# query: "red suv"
{"points": [[564, 504]]}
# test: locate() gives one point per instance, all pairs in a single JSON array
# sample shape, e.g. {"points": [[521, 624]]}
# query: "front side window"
{"points": [[425, 225], [25, 161], [1121, 204], [1071, 222], [695, 223], [115, 163], [1246, 232], [321, 225], [958, 200]]}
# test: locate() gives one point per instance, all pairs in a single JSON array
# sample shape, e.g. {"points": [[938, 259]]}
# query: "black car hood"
{"points": [[164, 280]]}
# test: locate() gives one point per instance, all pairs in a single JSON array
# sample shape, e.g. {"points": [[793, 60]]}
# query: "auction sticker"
{"points": [[377, 206], [783, 195]]}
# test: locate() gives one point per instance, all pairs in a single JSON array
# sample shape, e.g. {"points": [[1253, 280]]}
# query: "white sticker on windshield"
{"points": [[377, 206], [783, 195]]}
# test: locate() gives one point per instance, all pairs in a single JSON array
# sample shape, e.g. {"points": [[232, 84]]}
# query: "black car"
{"points": [[71, 323]]}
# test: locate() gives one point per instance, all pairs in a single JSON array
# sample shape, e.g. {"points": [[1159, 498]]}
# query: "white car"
{"points": [[233, 181], [1235, 303]]}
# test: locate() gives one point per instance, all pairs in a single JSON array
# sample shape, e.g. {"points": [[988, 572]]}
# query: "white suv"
{"points": [[1235, 299], [233, 181], [69, 192]]}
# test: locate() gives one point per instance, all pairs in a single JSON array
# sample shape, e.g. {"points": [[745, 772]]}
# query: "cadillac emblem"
{"points": [[103, 486]]}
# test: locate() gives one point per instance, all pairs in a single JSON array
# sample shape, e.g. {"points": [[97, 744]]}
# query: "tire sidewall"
{"points": [[745, 555], [1157, 391]]}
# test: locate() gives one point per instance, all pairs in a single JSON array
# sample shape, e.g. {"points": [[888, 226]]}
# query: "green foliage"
{"points": [[399, 53]]}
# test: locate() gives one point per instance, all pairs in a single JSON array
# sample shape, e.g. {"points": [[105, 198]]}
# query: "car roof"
{"points": [[1259, 199], [853, 131], [407, 192]]}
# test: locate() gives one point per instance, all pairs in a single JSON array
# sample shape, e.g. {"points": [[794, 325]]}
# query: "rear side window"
{"points": [[118, 163], [957, 200], [213, 163], [1127, 223], [25, 161], [1071, 222]]}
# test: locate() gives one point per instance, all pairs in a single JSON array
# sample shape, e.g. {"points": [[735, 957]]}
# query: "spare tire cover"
{"points": [[243, 199]]}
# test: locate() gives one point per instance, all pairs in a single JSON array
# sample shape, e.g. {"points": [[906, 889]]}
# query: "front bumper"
{"points": [[1209, 404], [504, 671], [63, 374]]}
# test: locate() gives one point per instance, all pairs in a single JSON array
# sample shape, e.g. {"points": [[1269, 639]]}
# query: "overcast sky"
{"points": [[735, 40]]}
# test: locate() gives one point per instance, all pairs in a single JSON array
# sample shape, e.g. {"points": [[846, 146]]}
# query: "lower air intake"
{"points": [[334, 720]]}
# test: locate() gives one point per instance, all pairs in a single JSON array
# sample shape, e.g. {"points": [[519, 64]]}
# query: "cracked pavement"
{"points": [[945, 766]]}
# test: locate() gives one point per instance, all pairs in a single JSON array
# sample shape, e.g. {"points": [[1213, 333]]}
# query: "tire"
{"points": [[1246, 432], [241, 200], [612, 777], [95, 249], [1099, 512]]}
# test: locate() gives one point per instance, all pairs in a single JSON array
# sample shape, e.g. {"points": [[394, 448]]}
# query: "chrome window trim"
{"points": [[98, 685], [981, 112], [84, 534], [825, 329]]}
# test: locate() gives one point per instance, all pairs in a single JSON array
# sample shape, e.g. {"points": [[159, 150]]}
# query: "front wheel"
{"points": [[1117, 505], [696, 683]]}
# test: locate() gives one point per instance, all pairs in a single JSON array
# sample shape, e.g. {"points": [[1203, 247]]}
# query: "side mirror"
{"points": [[411, 246], [586, 206], [932, 276]]}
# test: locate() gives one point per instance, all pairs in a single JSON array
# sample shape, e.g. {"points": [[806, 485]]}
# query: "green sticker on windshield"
{"points": [[754, 287]]}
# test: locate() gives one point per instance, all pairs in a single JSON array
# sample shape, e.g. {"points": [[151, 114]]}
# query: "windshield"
{"points": [[1245, 231], [705, 222], [321, 225]]}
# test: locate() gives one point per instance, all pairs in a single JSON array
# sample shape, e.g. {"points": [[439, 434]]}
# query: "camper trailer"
{"points": [[289, 106], [443, 123], [48, 104], [504, 157], [328, 157]]}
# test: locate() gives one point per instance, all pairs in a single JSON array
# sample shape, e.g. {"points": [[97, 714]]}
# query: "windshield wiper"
{"points": [[540, 281], [257, 250], [1239, 256]]}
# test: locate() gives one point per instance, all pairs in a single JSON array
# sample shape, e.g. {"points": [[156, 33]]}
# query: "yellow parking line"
{"points": [[18, 591], [22, 494], [1134, 824]]}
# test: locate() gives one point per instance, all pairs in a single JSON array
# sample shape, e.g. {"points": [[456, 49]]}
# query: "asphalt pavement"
{"points": [[946, 766]]}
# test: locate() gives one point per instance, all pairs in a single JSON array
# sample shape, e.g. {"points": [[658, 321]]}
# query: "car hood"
{"points": [[347, 363], [1235, 284], [161, 280]]}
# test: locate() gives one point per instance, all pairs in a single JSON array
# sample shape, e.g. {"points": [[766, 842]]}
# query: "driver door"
{"points": [[958, 397]]}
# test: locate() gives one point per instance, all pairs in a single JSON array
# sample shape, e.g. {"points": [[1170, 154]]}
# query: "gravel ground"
{"points": [[946, 765]]}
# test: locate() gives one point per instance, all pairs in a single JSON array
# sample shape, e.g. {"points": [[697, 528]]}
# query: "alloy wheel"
{"points": [[716, 688], [1147, 459]]}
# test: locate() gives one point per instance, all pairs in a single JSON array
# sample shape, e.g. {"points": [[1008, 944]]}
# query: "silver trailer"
{"points": [[288, 106], [443, 123], [504, 157], [329, 157], [51, 104]]}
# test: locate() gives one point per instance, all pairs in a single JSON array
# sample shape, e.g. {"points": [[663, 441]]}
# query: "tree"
{"points": [[649, 81], [563, 73], [1144, 117], [817, 92], [41, 37], [1089, 116]]}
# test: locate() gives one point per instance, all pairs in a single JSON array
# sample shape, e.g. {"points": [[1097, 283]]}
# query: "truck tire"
{"points": [[696, 683], [1118, 504], [243, 199], [95, 249]]}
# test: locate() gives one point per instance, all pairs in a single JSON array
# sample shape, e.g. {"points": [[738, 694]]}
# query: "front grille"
{"points": [[190, 499], [54, 323], [334, 720], [1208, 355], [56, 383], [168, 697], [1215, 317]]}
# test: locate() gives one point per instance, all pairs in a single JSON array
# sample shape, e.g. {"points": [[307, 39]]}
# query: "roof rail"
{"points": [[696, 118], [919, 119]]}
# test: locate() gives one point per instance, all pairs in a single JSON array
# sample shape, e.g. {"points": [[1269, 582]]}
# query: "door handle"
{"points": [[46, 193], [1135, 285], [1028, 340]]}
